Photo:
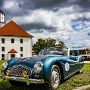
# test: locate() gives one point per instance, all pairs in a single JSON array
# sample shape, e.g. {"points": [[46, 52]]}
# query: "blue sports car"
{"points": [[50, 67]]}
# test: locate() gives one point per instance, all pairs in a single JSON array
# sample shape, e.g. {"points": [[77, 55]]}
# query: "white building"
{"points": [[14, 41]]}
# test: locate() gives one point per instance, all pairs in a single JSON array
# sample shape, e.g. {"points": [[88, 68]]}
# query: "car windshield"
{"points": [[53, 51]]}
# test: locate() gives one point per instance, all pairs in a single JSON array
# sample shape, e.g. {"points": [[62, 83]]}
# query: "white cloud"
{"points": [[64, 31], [8, 4], [79, 26], [87, 14], [61, 20], [11, 5]]}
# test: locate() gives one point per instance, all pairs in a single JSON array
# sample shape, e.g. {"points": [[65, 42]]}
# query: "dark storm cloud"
{"points": [[81, 19], [83, 3], [35, 4], [37, 27], [48, 3], [1, 3], [88, 33]]}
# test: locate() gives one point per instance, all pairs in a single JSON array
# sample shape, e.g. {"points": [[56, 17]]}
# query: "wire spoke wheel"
{"points": [[55, 78]]}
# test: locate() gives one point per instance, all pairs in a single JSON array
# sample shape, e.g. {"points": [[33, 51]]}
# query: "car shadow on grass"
{"points": [[6, 86], [30, 87]]}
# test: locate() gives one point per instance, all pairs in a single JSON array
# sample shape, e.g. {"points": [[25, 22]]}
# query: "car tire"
{"points": [[55, 78]]}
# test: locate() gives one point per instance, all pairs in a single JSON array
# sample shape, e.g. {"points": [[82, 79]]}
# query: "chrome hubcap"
{"points": [[55, 78]]}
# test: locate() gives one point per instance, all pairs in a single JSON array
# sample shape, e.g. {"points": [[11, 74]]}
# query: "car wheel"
{"points": [[16, 83], [55, 78]]}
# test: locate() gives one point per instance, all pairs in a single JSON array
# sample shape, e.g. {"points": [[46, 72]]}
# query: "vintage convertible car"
{"points": [[50, 67]]}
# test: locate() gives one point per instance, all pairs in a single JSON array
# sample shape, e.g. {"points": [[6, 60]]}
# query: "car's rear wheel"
{"points": [[55, 78]]}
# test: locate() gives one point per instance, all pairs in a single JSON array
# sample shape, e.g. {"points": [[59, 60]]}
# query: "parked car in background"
{"points": [[50, 67], [86, 57]]}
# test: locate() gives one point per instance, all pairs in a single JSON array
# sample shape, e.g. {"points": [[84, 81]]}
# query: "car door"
{"points": [[74, 64]]}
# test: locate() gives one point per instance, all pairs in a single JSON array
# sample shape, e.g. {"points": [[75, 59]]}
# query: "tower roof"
{"points": [[1, 11], [12, 29]]}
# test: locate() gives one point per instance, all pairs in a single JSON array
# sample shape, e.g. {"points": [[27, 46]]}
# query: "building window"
{"points": [[21, 55], [3, 48], [12, 40], [3, 56], [3, 40], [21, 48], [21, 40]]}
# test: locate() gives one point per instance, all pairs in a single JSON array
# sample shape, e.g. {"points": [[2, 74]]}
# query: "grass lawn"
{"points": [[77, 80], [1, 62], [70, 84]]}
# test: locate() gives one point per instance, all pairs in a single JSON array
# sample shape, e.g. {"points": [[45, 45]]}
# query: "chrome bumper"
{"points": [[22, 79]]}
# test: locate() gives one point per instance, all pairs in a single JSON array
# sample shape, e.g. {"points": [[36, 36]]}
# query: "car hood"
{"points": [[29, 62]]}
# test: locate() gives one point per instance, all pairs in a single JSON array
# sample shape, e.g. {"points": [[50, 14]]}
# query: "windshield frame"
{"points": [[53, 51]]}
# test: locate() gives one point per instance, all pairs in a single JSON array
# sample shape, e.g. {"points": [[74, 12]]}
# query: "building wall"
{"points": [[27, 46], [2, 24]]}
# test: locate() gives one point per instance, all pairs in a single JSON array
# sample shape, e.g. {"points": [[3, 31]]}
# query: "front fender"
{"points": [[46, 71], [47, 67]]}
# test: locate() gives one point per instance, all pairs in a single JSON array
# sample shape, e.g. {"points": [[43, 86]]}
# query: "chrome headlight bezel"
{"points": [[4, 65], [38, 66]]}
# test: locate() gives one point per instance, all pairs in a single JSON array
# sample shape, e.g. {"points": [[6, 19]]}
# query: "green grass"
{"points": [[70, 84], [1, 62], [87, 89], [77, 80]]}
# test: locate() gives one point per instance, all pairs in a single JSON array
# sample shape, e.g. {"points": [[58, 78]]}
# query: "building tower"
{"points": [[2, 22]]}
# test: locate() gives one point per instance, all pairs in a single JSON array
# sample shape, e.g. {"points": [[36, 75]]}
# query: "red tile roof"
{"points": [[12, 51], [12, 29]]}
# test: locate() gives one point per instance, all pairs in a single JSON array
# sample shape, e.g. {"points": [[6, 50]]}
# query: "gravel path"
{"points": [[86, 61], [83, 87]]}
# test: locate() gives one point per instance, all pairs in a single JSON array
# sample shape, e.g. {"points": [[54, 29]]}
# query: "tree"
{"points": [[45, 43], [61, 44], [40, 44], [50, 42]]}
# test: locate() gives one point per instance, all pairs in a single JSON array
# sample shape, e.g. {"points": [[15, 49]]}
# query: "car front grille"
{"points": [[17, 70]]}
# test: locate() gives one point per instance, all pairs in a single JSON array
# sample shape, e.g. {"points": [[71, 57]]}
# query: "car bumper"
{"points": [[22, 79]]}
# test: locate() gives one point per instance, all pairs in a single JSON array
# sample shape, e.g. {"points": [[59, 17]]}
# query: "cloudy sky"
{"points": [[66, 20]]}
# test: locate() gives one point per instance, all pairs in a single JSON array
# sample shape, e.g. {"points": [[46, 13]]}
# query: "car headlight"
{"points": [[4, 65], [38, 67]]}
